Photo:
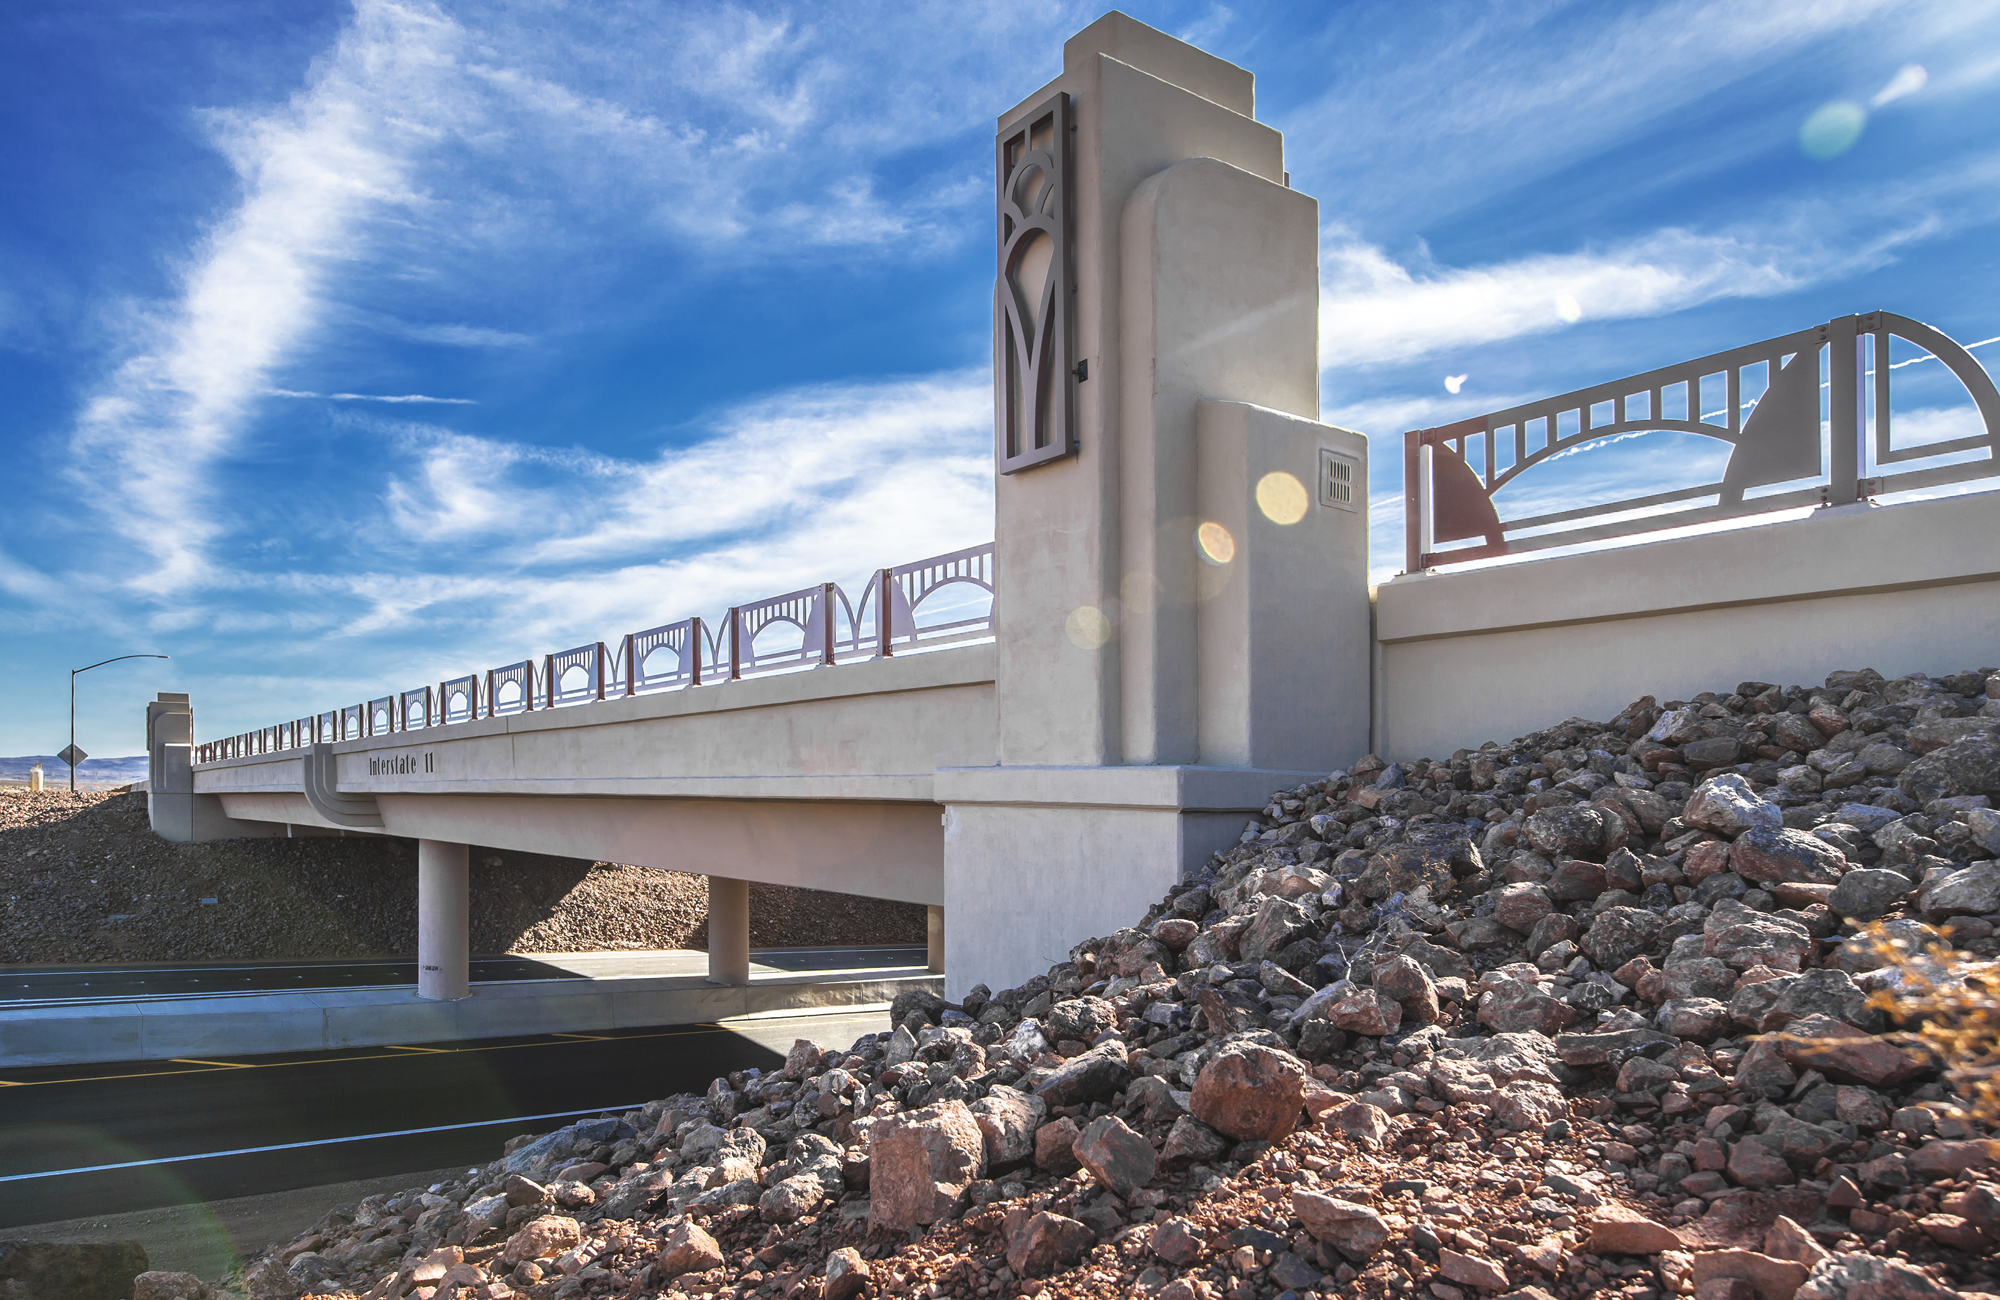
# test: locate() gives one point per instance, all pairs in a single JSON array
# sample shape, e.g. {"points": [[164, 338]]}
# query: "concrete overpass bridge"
{"points": [[1031, 737], [1036, 737]]}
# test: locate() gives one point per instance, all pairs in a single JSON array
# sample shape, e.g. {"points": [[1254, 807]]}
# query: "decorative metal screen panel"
{"points": [[567, 687], [381, 716], [1452, 473], [417, 708], [350, 722], [510, 689], [1034, 410], [458, 699], [665, 656]]}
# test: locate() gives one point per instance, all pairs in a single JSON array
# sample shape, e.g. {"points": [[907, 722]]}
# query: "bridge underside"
{"points": [[877, 850]]}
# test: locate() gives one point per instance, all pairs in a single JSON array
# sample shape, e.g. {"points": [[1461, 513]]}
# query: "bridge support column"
{"points": [[444, 921], [728, 931], [935, 917]]}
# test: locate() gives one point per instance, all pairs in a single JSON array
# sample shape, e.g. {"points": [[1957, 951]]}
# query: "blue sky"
{"points": [[348, 346]]}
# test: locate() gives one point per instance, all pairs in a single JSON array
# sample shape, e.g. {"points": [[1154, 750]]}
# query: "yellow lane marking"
{"points": [[220, 1065], [386, 1055], [589, 1038], [401, 1047]]}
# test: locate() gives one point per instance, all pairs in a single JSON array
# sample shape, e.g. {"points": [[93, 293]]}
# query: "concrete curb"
{"points": [[246, 1024]]}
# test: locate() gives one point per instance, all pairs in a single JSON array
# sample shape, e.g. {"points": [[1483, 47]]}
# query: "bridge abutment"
{"points": [[1181, 603], [444, 921]]}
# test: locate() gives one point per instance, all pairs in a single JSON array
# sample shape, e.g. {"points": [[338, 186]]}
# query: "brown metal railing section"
{"points": [[831, 630], [1451, 474]]}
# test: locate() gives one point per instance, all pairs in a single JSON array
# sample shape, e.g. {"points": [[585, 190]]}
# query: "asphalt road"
{"points": [[94, 1140]]}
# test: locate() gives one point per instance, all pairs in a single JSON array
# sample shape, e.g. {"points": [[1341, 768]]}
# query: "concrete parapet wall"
{"points": [[1490, 654]]}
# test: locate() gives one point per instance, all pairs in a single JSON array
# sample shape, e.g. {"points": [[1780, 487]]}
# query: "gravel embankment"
{"points": [[1582, 1015], [84, 879]]}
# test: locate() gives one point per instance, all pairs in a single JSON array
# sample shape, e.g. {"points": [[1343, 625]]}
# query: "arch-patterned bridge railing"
{"points": [[1452, 474], [909, 607]]}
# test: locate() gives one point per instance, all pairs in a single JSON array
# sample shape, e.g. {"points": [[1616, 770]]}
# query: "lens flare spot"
{"points": [[1909, 79], [1281, 497], [1088, 627], [1832, 129], [1215, 543], [1452, 383], [1568, 308]]}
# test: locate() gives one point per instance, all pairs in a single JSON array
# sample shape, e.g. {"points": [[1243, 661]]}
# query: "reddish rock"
{"points": [[1726, 1288], [1787, 1240], [1362, 1010], [1951, 1230], [920, 1164], [1617, 1230], [1845, 1054], [1251, 1092], [688, 1249], [1864, 1277], [1115, 1156], [846, 1275], [1359, 1120], [1054, 1146], [1471, 1270], [1178, 1241], [1754, 1165], [1190, 1140], [1520, 1007], [542, 1238], [1708, 858], [1775, 1279], [1047, 1242], [1949, 1159], [1008, 1119], [1354, 1230], [1520, 906]]}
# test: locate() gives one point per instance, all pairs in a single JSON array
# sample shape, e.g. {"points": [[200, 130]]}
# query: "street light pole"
{"points": [[72, 703]]}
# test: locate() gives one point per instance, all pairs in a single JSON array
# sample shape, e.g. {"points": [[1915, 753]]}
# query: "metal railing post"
{"points": [[885, 619], [600, 672], [1412, 467], [631, 670], [1426, 503], [735, 643], [826, 624], [696, 639], [548, 678], [1843, 407]]}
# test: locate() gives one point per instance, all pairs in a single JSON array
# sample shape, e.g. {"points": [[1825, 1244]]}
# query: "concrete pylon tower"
{"points": [[1181, 548]]}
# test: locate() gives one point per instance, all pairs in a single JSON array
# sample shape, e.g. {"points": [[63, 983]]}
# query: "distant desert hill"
{"points": [[95, 771]]}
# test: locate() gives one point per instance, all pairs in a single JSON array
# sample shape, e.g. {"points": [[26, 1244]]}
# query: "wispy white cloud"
{"points": [[465, 336], [1443, 115], [1375, 310], [374, 397], [309, 172]]}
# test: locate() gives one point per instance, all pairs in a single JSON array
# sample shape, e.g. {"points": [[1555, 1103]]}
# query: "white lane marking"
{"points": [[320, 1142]]}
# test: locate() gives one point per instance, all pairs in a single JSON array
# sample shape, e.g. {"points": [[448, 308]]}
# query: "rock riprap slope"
{"points": [[1583, 1015]]}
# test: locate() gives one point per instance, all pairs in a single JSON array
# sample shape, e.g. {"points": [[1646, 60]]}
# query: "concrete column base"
{"points": [[444, 921], [934, 918], [728, 931], [1038, 859]]}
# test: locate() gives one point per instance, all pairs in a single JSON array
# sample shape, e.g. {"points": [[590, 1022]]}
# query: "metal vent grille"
{"points": [[1337, 474]]}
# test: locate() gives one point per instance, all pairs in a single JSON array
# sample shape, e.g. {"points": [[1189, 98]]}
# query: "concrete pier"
{"points": [[728, 931], [444, 921]]}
